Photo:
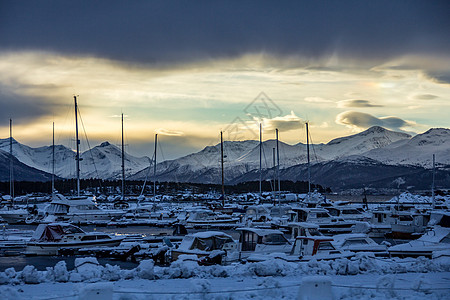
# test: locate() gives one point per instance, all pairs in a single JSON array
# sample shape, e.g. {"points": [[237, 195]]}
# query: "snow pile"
{"points": [[89, 270], [410, 198]]}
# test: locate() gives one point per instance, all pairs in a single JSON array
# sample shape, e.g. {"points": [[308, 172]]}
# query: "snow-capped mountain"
{"points": [[22, 172], [417, 151], [104, 160], [243, 156], [41, 157], [378, 155], [373, 138]]}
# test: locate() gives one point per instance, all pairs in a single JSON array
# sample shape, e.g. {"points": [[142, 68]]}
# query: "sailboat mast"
{"points": [[123, 165], [221, 162], [309, 166], [260, 161], [432, 184], [274, 176], [77, 141], [11, 164], [154, 169], [53, 160], [278, 167]]}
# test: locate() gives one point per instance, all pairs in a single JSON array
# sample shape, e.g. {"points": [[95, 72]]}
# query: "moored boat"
{"points": [[48, 239]]}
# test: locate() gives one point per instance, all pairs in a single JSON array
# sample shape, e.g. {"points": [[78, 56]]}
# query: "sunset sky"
{"points": [[189, 69]]}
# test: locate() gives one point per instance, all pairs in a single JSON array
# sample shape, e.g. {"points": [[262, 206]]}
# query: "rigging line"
{"points": [[161, 151], [146, 175], [89, 145], [312, 146]]}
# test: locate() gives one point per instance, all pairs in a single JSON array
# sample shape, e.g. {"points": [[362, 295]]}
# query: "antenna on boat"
{"points": [[221, 162], [154, 169], [260, 161], [77, 141], [123, 165], [11, 165], [432, 184], [309, 166]]}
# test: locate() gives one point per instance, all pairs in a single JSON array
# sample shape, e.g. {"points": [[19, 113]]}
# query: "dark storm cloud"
{"points": [[440, 77], [363, 120], [20, 109], [172, 31]]}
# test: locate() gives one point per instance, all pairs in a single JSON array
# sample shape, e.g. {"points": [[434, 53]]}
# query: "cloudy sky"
{"points": [[189, 69]]}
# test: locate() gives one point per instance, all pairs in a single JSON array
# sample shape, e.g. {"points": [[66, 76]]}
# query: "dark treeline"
{"points": [[108, 187]]}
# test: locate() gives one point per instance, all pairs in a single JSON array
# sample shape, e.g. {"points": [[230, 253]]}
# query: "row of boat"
{"points": [[295, 231]]}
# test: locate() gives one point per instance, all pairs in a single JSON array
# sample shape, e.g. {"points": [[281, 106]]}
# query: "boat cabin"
{"points": [[358, 242], [203, 243], [54, 232], [347, 213], [262, 240], [303, 229]]}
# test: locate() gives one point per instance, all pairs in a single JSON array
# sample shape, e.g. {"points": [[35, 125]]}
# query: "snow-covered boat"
{"points": [[358, 242], [305, 249], [403, 224], [348, 213], [204, 218], [320, 216], [14, 215], [48, 239], [13, 241], [203, 244], [435, 240], [77, 210], [262, 241], [316, 247], [303, 229]]}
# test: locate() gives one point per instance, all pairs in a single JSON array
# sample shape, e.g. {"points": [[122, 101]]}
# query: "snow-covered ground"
{"points": [[361, 277]]}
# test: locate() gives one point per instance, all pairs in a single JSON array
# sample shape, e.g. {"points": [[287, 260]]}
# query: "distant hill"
{"points": [[22, 172], [376, 157], [103, 161]]}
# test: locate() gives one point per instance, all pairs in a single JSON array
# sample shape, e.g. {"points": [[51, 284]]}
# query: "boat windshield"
{"points": [[274, 239], [446, 239], [351, 212], [326, 246], [211, 243], [314, 232], [355, 242], [71, 229]]}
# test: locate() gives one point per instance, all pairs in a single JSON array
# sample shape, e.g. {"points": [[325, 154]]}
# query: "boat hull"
{"points": [[52, 248]]}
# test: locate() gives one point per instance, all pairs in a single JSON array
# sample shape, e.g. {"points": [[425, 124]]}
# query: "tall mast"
{"points": [[11, 165], [53, 160], [154, 169], [221, 162], [260, 161], [278, 167], [432, 184], [123, 165], [77, 141], [309, 166], [274, 176]]}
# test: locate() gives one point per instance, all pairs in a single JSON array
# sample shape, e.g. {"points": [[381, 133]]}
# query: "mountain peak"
{"points": [[105, 144], [375, 129], [437, 131]]}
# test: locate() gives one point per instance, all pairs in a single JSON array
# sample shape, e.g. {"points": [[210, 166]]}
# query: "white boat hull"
{"points": [[52, 248]]}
